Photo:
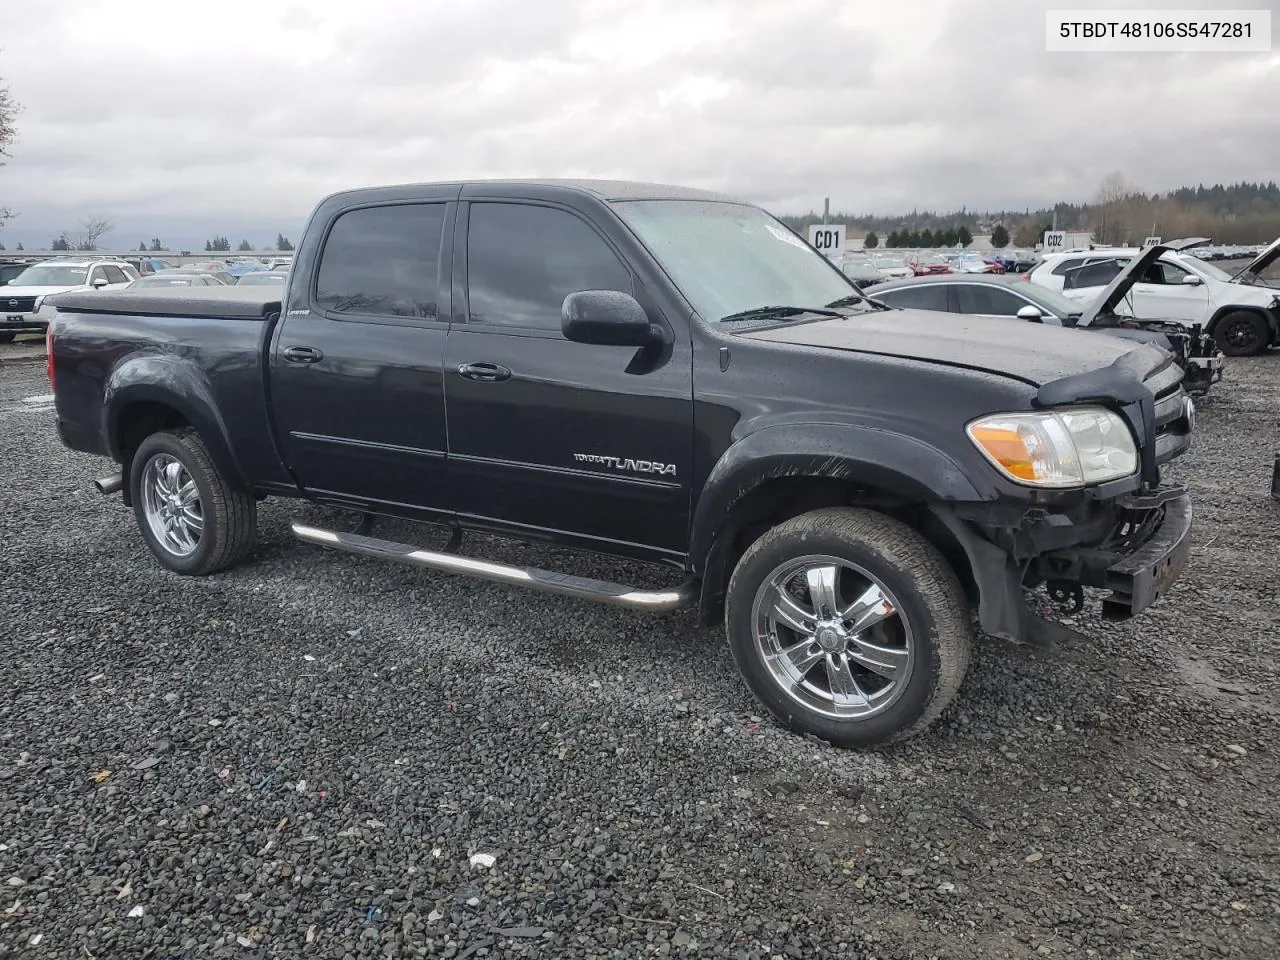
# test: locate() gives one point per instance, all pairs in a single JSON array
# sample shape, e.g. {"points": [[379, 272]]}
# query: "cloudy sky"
{"points": [[189, 119]]}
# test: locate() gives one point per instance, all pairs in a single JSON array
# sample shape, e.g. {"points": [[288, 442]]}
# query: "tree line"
{"points": [[1119, 212], [921, 239]]}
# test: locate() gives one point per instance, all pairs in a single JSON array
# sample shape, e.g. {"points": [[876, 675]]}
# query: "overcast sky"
{"points": [[237, 117]]}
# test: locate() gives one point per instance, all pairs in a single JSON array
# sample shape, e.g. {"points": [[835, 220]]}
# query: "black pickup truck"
{"points": [[660, 374]]}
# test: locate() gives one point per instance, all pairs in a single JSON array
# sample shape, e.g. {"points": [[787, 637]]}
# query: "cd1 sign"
{"points": [[827, 238]]}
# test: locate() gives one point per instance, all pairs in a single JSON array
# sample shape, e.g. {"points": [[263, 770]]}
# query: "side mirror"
{"points": [[607, 318], [99, 283], [1030, 312], [1191, 280]]}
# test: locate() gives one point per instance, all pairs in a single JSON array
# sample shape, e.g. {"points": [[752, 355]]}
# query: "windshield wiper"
{"points": [[859, 300], [777, 312]]}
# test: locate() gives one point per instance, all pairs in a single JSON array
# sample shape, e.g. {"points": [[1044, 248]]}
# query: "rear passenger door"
{"points": [[356, 365], [579, 443]]}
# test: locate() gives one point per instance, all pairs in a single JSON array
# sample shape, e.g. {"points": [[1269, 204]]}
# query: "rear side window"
{"points": [[115, 275], [1093, 275], [925, 297], [383, 262], [523, 260]]}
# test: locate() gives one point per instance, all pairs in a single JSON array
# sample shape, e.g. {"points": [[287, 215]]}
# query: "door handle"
{"points": [[303, 355], [487, 372]]}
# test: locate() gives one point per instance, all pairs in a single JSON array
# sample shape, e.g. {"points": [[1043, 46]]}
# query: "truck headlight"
{"points": [[1071, 447]]}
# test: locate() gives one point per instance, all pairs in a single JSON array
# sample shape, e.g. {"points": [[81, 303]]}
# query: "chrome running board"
{"points": [[547, 581]]}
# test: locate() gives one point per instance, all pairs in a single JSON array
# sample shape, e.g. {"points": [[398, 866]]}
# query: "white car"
{"points": [[1240, 311], [892, 267], [22, 307]]}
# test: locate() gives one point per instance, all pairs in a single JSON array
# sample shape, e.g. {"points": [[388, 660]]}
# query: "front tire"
{"points": [[847, 624], [6, 336], [1242, 333], [190, 517]]}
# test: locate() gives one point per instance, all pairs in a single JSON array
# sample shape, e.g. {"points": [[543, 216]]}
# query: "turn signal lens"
{"points": [[1073, 447]]}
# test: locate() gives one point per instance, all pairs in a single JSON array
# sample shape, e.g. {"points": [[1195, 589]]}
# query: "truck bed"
{"points": [[227, 303]]}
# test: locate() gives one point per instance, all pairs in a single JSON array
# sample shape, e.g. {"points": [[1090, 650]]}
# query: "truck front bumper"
{"points": [[1135, 547]]}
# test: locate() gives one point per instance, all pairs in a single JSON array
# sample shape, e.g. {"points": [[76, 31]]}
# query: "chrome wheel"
{"points": [[832, 637], [171, 504]]}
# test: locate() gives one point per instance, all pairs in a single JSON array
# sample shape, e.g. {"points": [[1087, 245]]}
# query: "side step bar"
{"points": [[601, 591]]}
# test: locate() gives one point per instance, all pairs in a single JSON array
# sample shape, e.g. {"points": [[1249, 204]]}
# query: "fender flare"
{"points": [[857, 454], [176, 383]]}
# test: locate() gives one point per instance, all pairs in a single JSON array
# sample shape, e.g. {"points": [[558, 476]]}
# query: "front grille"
{"points": [[16, 304], [1174, 423]]}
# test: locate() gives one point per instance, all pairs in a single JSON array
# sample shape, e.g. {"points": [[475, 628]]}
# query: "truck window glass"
{"points": [[729, 257], [984, 299], [523, 260], [924, 297], [383, 262]]}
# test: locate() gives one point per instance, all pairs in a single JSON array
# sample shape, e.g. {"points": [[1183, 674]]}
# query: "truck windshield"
{"points": [[50, 276], [728, 258]]}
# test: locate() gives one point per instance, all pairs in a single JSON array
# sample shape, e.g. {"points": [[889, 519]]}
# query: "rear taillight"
{"points": [[48, 348], [1026, 276]]}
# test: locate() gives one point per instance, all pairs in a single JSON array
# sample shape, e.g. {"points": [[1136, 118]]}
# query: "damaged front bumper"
{"points": [[1135, 546]]}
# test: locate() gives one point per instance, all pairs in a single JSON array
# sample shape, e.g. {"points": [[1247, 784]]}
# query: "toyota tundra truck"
{"points": [[659, 374]]}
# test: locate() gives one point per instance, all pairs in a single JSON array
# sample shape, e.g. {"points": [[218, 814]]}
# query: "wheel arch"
{"points": [[1211, 328], [158, 393], [780, 473]]}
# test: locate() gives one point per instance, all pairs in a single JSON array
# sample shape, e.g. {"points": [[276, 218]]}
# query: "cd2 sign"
{"points": [[827, 238]]}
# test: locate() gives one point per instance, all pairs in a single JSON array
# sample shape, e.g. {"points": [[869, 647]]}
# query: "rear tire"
{"points": [[1242, 333], [190, 517], [872, 658], [6, 336]]}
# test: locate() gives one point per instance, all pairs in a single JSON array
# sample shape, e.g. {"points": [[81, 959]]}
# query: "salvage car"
{"points": [[662, 375], [1014, 298], [1241, 313]]}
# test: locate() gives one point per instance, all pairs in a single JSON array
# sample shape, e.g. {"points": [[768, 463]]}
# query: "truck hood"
{"points": [[1033, 353]]}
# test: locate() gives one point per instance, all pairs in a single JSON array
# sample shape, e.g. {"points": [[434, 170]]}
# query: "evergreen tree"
{"points": [[926, 238], [871, 241], [963, 236], [19, 247], [245, 246], [893, 240], [208, 246], [156, 246], [282, 243], [999, 237]]}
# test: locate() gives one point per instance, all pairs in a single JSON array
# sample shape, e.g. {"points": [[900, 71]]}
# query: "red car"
{"points": [[927, 264]]}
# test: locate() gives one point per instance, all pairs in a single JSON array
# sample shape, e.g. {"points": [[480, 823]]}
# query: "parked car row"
{"points": [[27, 284], [1211, 252], [866, 267]]}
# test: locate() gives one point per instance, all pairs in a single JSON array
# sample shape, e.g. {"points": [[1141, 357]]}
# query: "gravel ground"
{"points": [[302, 757]]}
